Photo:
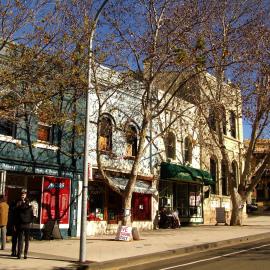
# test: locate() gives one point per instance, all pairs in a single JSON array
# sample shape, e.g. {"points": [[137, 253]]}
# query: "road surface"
{"points": [[248, 256]]}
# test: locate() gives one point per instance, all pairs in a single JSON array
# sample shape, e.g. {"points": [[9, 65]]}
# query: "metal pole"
{"points": [[86, 142]]}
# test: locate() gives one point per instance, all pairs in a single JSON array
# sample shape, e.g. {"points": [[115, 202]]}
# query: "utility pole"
{"points": [[86, 141]]}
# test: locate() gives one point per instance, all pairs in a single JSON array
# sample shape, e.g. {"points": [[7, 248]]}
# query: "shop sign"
{"points": [[124, 233], [7, 167], [46, 171]]}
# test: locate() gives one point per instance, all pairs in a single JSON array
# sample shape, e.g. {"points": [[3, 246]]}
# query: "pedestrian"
{"points": [[24, 218], [163, 219], [3, 221], [175, 219], [34, 203], [12, 221]]}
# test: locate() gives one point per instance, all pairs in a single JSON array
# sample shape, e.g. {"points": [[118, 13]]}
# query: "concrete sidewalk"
{"points": [[159, 243]]}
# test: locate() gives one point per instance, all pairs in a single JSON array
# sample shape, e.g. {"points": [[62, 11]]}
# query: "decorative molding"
{"points": [[9, 139], [44, 145]]}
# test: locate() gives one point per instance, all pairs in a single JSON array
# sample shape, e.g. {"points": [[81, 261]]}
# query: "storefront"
{"points": [[105, 207], [49, 195], [181, 188]]}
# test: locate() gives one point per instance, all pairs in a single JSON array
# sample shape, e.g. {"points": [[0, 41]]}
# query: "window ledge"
{"points": [[129, 157], [9, 139], [45, 145]]}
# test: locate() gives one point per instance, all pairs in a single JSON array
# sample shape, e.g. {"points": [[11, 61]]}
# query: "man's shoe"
{"points": [[13, 254], [25, 256], [19, 257]]}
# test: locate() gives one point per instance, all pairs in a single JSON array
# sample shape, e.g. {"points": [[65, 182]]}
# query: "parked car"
{"points": [[252, 207]]}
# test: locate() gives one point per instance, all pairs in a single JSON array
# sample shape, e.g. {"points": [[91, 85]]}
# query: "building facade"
{"points": [[46, 159]]}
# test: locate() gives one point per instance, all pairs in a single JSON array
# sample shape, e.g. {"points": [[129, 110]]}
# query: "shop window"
{"points": [[171, 145], [195, 201], [232, 124], [213, 172], [182, 201], [188, 150], [224, 178], [45, 133], [141, 206], [165, 195], [55, 199], [7, 128], [131, 140], [96, 194], [105, 134], [114, 207]]}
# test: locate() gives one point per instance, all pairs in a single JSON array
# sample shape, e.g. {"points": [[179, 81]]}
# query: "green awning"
{"points": [[207, 178], [177, 172]]}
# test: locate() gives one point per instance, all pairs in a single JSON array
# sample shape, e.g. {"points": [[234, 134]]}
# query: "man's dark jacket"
{"points": [[24, 214]]}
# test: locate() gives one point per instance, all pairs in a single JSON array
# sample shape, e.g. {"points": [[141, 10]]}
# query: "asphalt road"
{"points": [[249, 256]]}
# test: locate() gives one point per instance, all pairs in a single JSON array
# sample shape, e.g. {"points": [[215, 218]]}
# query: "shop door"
{"points": [[2, 182]]}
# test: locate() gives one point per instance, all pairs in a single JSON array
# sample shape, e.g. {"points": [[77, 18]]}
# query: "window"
{"points": [[213, 172], [45, 133], [223, 119], [188, 150], [212, 119], [235, 172], [44, 129], [233, 124], [182, 199], [224, 178], [96, 198], [141, 206], [105, 134], [195, 200], [171, 145], [7, 128], [131, 139]]}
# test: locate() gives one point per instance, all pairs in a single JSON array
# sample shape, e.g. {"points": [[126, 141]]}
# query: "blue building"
{"points": [[42, 151]]}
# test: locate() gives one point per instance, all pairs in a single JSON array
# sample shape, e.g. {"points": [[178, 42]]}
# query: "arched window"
{"points": [[224, 178], [235, 172], [224, 121], [233, 124], [213, 172], [188, 150], [171, 145], [212, 119], [132, 140], [105, 134]]}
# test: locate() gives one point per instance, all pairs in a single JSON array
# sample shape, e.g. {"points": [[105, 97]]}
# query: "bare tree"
{"points": [[232, 46], [155, 52]]}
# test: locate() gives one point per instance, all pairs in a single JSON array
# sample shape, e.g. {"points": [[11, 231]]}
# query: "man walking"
{"points": [[24, 216], [3, 221]]}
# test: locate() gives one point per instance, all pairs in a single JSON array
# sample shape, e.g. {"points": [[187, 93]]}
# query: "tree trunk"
{"points": [[237, 209], [126, 221]]}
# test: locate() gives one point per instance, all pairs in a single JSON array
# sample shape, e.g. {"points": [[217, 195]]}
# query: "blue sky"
{"points": [[246, 128]]}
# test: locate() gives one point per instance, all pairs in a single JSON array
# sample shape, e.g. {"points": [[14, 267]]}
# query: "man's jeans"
{"points": [[3, 236]]}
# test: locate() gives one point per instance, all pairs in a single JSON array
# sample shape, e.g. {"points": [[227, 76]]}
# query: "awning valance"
{"points": [[177, 172], [140, 186]]}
